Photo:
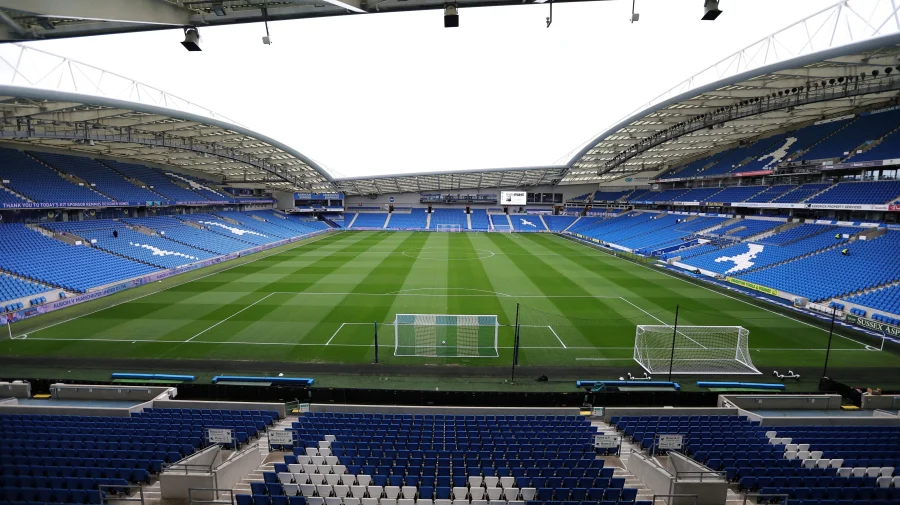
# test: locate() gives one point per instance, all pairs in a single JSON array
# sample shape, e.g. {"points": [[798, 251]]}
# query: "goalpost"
{"points": [[448, 227], [502, 228], [694, 350], [446, 335]]}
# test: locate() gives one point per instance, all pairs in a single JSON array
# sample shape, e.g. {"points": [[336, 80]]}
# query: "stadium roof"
{"points": [[136, 132], [22, 20], [783, 80]]}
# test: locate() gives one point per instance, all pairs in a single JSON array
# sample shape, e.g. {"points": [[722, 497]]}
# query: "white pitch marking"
{"points": [[661, 321], [182, 283], [603, 359], [335, 333], [229, 317], [557, 337]]}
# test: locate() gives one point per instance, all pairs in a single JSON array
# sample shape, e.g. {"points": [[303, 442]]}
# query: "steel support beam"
{"points": [[154, 12]]}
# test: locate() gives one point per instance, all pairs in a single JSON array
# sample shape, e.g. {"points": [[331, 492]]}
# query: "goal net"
{"points": [[720, 350], [503, 228], [446, 336], [448, 227]]}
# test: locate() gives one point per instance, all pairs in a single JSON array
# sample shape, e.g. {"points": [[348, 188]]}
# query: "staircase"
{"points": [[543, 223], [428, 221], [388, 220], [798, 258], [573, 223], [23, 197], [509, 220], [618, 462], [819, 193], [268, 459], [468, 221], [71, 179], [353, 220], [799, 154]]}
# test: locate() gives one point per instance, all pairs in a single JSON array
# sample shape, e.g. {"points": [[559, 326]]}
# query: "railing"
{"points": [[117, 489], [679, 498], [217, 493], [295, 405], [768, 497]]}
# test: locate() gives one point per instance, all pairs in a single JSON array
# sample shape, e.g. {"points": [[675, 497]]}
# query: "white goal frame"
{"points": [[429, 331], [448, 227], [696, 350], [501, 228]]}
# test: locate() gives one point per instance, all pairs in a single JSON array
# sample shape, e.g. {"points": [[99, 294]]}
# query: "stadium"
{"points": [[698, 305]]}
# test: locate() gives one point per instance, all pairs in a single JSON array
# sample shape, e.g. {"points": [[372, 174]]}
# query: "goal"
{"points": [[446, 335], [502, 228], [698, 350], [448, 227]]}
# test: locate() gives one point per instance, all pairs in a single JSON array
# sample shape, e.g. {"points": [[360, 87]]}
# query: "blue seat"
{"points": [[261, 499], [243, 499]]}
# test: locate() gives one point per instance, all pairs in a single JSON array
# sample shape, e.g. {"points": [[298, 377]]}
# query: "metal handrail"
{"points": [[767, 496], [103, 495], [218, 492], [667, 496]]}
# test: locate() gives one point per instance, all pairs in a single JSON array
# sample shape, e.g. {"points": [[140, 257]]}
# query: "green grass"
{"points": [[319, 302]]}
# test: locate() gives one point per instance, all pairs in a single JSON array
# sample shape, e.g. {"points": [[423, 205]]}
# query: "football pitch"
{"points": [[322, 301]]}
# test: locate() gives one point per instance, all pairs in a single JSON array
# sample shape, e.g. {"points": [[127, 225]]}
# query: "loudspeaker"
{"points": [[451, 16]]}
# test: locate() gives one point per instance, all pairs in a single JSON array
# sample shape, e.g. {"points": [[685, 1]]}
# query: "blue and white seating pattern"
{"points": [[12, 288], [559, 223], [40, 183], [479, 219], [370, 220], [864, 129], [156, 181], [107, 181], [526, 222], [387, 459], [415, 220]]}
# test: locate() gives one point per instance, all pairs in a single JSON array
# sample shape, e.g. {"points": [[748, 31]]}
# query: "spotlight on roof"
{"points": [[218, 8], [451, 16], [711, 10], [191, 39], [45, 24]]}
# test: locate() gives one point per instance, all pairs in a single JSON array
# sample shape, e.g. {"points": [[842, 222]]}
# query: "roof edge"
{"points": [[452, 172]]}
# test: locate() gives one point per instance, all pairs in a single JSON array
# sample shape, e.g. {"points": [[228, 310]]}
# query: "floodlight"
{"points": [[711, 10], [267, 40], [218, 8], [191, 39], [451, 16], [45, 24]]}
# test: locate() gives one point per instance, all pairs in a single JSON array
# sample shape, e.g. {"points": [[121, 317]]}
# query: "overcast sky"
{"points": [[388, 93]]}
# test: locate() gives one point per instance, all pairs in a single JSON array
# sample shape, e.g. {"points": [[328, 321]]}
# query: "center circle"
{"points": [[444, 255]]}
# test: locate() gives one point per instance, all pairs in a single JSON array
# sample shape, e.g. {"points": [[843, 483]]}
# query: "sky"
{"points": [[375, 94]]}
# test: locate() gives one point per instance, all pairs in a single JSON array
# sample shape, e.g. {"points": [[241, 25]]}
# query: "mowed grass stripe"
{"points": [[386, 277]]}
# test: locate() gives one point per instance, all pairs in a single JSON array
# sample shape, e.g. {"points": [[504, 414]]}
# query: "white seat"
{"points": [[291, 489], [336, 467], [310, 468], [771, 434], [443, 501], [475, 480], [836, 463], [823, 463], [815, 454], [333, 500], [351, 501], [406, 501], [358, 491], [333, 479], [858, 472], [304, 459], [324, 451], [479, 502], [324, 444], [285, 478], [408, 492], [312, 451], [802, 447], [307, 489], [392, 492], [477, 493], [809, 463], [494, 493], [364, 480], [790, 455], [883, 481], [791, 447], [341, 490], [317, 460], [331, 460], [375, 491], [528, 493], [315, 500], [330, 438], [786, 440], [887, 471], [803, 455], [323, 469], [316, 478], [845, 472], [388, 501], [323, 489], [507, 482], [873, 471], [296, 468], [370, 501], [424, 501], [510, 493], [498, 502], [491, 481], [459, 493], [896, 481], [461, 502], [517, 502]]}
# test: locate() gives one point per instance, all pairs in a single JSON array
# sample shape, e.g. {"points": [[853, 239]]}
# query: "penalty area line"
{"points": [[557, 337], [229, 317], [335, 333]]}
